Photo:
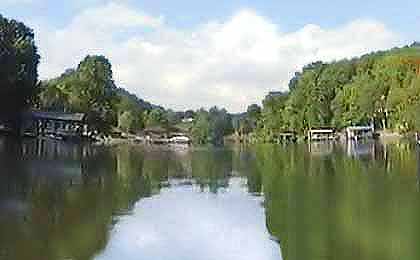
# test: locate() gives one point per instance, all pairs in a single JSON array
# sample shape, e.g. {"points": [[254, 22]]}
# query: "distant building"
{"points": [[360, 132], [321, 134]]}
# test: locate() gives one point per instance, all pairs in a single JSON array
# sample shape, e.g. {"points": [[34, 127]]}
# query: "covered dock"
{"points": [[321, 135], [360, 132], [55, 124]]}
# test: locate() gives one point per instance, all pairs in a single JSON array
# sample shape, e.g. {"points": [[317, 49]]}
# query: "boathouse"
{"points": [[360, 132], [321, 134], [57, 124]]}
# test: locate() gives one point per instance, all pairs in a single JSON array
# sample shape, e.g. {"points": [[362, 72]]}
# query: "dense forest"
{"points": [[382, 88]]}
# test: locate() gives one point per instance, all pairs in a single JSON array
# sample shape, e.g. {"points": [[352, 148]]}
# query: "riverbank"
{"points": [[385, 136]]}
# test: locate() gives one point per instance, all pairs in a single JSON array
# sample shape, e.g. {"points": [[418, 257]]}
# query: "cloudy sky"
{"points": [[191, 54]]}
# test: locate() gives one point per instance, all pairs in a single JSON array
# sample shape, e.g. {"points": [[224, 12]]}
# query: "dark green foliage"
{"points": [[254, 111], [89, 89], [211, 126], [156, 117], [201, 127], [129, 121], [245, 123], [18, 68], [135, 101]]}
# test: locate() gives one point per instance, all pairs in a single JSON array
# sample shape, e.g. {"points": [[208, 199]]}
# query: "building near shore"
{"points": [[321, 134], [360, 132], [57, 124]]}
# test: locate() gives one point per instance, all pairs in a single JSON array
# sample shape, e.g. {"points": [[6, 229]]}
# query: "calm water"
{"points": [[322, 202]]}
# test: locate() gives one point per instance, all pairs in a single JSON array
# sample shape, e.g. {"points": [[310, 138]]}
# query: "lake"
{"points": [[269, 202]]}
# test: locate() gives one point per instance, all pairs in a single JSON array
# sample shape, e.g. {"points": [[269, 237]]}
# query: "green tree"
{"points": [[18, 69], [380, 87], [127, 121], [155, 117], [212, 126], [253, 112], [52, 98], [201, 128], [89, 89], [96, 91]]}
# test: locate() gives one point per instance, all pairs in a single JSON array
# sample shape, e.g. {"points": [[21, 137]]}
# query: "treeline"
{"points": [[89, 88], [211, 126], [382, 88]]}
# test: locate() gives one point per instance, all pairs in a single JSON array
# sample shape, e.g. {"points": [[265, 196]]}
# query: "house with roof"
{"points": [[59, 125]]}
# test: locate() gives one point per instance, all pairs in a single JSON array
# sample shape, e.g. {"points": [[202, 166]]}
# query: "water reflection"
{"points": [[341, 207], [57, 201], [67, 201], [361, 149]]}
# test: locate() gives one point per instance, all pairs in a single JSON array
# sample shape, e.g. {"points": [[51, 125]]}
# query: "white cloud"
{"points": [[230, 63], [113, 16]]}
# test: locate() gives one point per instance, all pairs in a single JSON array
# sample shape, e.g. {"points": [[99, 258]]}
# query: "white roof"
{"points": [[321, 131], [360, 128]]}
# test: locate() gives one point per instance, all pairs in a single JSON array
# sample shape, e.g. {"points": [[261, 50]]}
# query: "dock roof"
{"points": [[360, 128], [321, 131], [58, 116]]}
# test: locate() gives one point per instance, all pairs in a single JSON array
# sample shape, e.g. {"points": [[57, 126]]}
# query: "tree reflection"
{"points": [[339, 207], [60, 201]]}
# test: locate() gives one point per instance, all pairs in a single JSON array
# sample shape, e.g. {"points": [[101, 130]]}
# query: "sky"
{"points": [[190, 54]]}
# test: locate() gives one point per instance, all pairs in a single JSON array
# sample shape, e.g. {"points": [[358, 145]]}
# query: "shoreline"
{"points": [[381, 136], [384, 136]]}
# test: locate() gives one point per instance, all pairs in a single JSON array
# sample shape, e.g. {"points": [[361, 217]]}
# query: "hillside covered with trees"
{"points": [[90, 89], [381, 88]]}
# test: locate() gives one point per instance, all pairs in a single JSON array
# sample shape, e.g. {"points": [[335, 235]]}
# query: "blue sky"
{"points": [[211, 50], [402, 16]]}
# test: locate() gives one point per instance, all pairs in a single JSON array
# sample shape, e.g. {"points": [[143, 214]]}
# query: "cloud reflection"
{"points": [[185, 223]]}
